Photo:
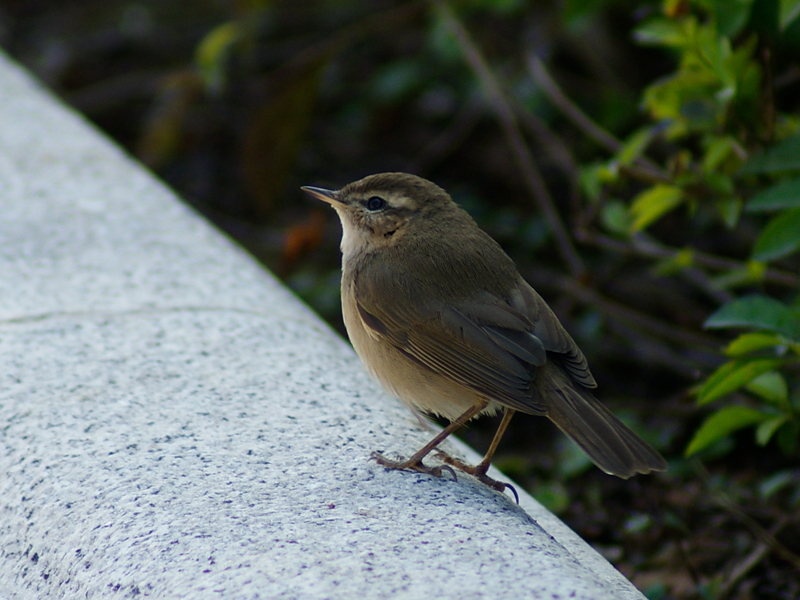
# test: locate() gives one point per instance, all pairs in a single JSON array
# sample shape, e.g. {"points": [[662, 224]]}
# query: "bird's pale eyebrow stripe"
{"points": [[401, 202]]}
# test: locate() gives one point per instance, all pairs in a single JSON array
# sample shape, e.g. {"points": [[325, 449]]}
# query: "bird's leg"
{"points": [[415, 462], [479, 470]]}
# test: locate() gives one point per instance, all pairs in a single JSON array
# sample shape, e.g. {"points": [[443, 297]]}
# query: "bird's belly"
{"points": [[416, 386]]}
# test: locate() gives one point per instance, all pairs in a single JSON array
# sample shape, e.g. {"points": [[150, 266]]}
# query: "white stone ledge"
{"points": [[175, 424]]}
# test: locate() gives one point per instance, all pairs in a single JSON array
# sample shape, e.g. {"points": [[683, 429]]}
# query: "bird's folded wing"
{"points": [[555, 338], [486, 348]]}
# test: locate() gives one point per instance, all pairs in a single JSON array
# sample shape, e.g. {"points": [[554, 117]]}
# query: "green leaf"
{"points": [[571, 461], [766, 429], [731, 15], [669, 266], [776, 482], [789, 11], [615, 218], [752, 272], [758, 312], [441, 39], [635, 145], [733, 375], [750, 342], [501, 7], [594, 176], [667, 32], [729, 209], [721, 424], [396, 81], [771, 387], [783, 156], [718, 150], [715, 51], [784, 195], [781, 237], [212, 53], [638, 522], [653, 203], [720, 183], [553, 495], [789, 436]]}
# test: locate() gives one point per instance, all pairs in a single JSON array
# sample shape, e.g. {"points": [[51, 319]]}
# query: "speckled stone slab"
{"points": [[175, 424]]}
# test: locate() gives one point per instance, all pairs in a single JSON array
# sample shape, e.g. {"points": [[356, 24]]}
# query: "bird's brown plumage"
{"points": [[440, 315]]}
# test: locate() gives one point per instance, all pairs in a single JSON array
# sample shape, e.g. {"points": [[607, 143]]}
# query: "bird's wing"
{"points": [[554, 337], [486, 344]]}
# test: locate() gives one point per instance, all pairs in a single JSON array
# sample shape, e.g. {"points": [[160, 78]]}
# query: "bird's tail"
{"points": [[611, 445]]}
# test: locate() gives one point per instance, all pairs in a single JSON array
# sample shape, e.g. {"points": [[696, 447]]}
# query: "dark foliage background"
{"points": [[516, 108]]}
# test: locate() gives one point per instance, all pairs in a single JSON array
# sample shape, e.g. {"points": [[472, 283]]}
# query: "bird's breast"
{"points": [[417, 387]]}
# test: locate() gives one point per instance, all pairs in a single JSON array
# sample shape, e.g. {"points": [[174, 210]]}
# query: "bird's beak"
{"points": [[329, 196]]}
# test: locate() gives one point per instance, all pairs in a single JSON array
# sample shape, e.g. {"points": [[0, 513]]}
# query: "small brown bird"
{"points": [[441, 317]]}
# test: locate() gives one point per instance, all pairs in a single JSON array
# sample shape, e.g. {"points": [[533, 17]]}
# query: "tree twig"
{"points": [[568, 108], [649, 351], [649, 249], [761, 534], [646, 169], [765, 536], [550, 142], [759, 553], [557, 151], [620, 312], [519, 149]]}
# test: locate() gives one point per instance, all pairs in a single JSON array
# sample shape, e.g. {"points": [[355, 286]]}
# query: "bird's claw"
{"points": [[412, 465], [479, 472]]}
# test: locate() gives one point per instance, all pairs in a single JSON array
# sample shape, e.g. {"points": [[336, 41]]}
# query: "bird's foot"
{"points": [[479, 473], [412, 464]]}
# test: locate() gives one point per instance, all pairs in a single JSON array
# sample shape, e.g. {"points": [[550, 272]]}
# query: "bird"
{"points": [[441, 317]]}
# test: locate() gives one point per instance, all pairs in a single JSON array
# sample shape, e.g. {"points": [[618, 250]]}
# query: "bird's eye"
{"points": [[375, 203]]}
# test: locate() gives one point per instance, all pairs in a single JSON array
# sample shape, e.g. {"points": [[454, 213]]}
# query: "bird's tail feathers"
{"points": [[608, 442]]}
